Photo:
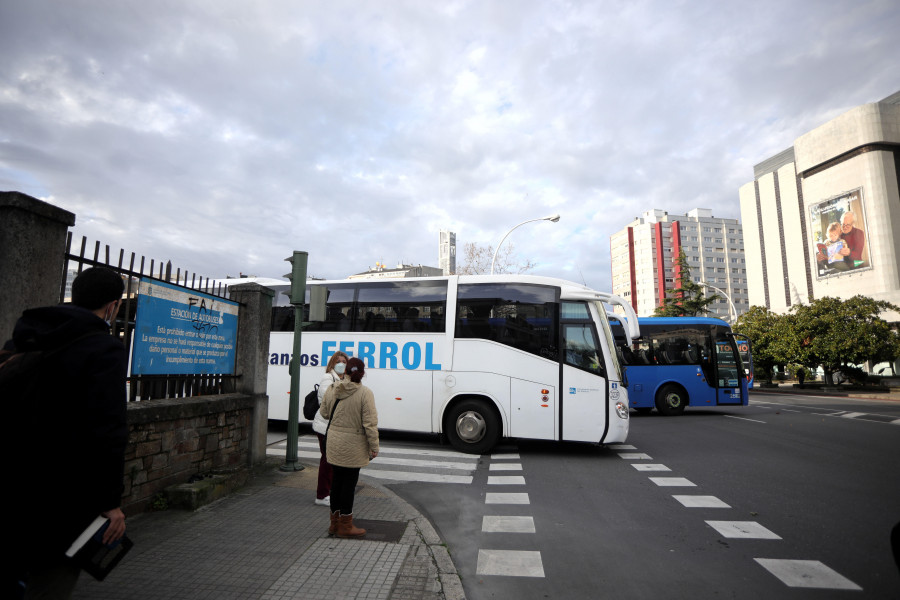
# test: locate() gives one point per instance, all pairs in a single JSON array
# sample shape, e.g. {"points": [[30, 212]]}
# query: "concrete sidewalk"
{"points": [[268, 540]]}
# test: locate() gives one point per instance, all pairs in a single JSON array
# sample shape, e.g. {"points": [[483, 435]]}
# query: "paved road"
{"points": [[793, 496]]}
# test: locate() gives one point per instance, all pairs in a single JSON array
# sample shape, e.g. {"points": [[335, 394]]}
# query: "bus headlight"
{"points": [[622, 410]]}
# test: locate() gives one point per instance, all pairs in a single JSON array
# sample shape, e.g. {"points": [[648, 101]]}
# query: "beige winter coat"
{"points": [[354, 426]]}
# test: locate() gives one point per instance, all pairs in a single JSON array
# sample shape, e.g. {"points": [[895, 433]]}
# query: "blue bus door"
{"points": [[730, 383]]}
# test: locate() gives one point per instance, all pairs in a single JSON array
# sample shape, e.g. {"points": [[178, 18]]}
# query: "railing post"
{"points": [[252, 359], [32, 255]]}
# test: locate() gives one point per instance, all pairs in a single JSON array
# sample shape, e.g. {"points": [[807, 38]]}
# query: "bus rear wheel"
{"points": [[472, 426], [671, 400]]}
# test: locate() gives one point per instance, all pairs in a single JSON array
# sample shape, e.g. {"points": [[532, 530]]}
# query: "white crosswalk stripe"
{"points": [[399, 463]]}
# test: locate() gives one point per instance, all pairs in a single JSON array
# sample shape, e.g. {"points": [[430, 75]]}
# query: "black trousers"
{"points": [[343, 488]]}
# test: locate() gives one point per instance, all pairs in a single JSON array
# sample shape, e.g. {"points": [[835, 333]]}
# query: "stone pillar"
{"points": [[32, 265], [252, 360]]}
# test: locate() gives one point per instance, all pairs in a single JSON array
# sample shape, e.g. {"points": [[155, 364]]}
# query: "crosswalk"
{"points": [[398, 463]]}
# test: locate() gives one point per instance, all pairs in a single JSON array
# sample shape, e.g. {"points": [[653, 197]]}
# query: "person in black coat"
{"points": [[67, 433]]}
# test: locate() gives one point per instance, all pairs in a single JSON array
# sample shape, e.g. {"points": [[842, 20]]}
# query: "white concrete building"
{"points": [[447, 252], [644, 254], [848, 165]]}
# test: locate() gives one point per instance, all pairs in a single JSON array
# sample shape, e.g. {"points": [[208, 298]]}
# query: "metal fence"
{"points": [[147, 387]]}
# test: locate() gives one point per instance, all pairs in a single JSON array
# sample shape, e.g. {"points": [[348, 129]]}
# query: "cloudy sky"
{"points": [[224, 134]]}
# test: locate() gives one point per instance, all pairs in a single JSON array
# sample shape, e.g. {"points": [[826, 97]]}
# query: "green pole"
{"points": [[298, 293]]}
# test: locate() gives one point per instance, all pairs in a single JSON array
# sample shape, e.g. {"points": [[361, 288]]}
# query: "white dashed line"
{"points": [[743, 530], [806, 574], [513, 563], [494, 498], [853, 415], [650, 467], [506, 480], [743, 419], [672, 482], [621, 447], [635, 456], [505, 456], [495, 524], [701, 502], [505, 467]]}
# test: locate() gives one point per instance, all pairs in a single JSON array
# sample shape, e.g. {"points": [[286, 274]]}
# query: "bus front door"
{"points": [[730, 383]]}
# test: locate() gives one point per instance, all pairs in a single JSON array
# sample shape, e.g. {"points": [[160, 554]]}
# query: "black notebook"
{"points": [[91, 554]]}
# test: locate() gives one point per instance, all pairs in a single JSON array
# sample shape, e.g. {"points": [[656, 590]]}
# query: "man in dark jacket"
{"points": [[67, 440]]}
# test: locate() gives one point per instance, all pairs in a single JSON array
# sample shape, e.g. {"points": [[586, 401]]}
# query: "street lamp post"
{"points": [[551, 218], [732, 310]]}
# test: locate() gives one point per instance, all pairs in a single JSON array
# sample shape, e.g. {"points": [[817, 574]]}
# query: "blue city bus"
{"points": [[683, 361]]}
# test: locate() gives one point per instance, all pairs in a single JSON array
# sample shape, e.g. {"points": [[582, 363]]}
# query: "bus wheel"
{"points": [[473, 427], [671, 400]]}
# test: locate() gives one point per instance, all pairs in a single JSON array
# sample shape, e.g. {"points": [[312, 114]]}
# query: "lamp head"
{"points": [[552, 218]]}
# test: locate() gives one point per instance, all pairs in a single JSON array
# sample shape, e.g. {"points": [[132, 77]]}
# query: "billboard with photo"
{"points": [[839, 238]]}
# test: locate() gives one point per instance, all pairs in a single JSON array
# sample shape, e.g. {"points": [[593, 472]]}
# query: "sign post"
{"points": [[298, 292]]}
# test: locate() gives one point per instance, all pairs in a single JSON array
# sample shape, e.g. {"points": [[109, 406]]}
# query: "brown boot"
{"points": [[332, 529], [346, 528]]}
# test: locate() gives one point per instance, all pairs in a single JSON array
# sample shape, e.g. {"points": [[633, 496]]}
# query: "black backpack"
{"points": [[23, 373], [311, 404]]}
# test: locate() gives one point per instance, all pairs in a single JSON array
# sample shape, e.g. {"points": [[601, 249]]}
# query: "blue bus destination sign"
{"points": [[179, 331]]}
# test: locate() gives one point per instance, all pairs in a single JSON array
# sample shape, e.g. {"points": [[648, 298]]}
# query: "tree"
{"points": [[477, 260], [687, 299], [832, 333], [769, 343]]}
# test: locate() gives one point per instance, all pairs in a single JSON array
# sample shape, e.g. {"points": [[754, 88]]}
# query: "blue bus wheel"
{"points": [[671, 400]]}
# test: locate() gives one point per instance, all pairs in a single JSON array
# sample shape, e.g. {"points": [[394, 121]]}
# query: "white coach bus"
{"points": [[475, 358]]}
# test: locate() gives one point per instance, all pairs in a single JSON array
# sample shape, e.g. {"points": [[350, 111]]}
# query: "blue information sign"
{"points": [[179, 332]]}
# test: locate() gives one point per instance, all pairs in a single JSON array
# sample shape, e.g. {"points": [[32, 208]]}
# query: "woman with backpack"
{"points": [[352, 441], [334, 371]]}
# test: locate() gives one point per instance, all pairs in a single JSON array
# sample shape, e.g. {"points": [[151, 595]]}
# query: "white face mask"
{"points": [[339, 368]]}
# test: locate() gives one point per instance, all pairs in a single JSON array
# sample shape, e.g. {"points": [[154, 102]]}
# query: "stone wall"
{"points": [[173, 439]]}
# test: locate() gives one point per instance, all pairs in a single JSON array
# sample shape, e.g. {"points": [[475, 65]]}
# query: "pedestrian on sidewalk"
{"points": [[66, 434], [352, 441], [334, 372]]}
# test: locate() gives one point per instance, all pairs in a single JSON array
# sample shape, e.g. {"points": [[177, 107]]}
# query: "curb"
{"points": [[448, 576]]}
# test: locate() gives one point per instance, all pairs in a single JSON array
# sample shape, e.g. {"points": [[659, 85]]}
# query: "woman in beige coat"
{"points": [[352, 441]]}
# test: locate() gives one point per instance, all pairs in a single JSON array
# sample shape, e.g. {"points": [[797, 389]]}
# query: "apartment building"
{"points": [[645, 251]]}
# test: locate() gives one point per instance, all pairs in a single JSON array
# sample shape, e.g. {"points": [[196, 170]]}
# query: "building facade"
{"points": [[380, 271], [645, 252], [822, 218]]}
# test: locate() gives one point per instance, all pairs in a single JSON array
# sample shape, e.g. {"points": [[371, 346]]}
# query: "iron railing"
{"points": [[147, 387]]}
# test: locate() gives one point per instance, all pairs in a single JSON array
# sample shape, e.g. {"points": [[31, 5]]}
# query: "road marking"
{"points": [[896, 422], [496, 524], [621, 447], [742, 529], [635, 456], [672, 482], [506, 480], [413, 476], [701, 502], [789, 410], [743, 419], [304, 442], [505, 456], [806, 574], [511, 563], [852, 415], [386, 460], [495, 498], [650, 467], [505, 467]]}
